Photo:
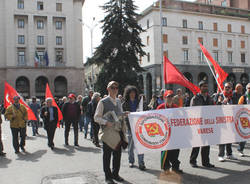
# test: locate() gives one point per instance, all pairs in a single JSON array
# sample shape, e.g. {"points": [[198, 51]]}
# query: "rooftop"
{"points": [[199, 8]]}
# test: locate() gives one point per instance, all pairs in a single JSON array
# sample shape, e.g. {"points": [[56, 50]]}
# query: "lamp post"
{"points": [[91, 28], [162, 67]]}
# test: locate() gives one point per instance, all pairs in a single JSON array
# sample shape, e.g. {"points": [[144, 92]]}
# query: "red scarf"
{"points": [[229, 94]]}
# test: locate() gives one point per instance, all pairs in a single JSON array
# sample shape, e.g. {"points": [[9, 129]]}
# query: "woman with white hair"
{"points": [[49, 114], [91, 108]]}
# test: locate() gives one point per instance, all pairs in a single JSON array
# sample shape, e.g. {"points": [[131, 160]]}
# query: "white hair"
{"points": [[48, 99], [95, 96]]}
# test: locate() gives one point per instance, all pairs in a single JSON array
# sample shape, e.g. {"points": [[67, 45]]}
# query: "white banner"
{"points": [[186, 127]]}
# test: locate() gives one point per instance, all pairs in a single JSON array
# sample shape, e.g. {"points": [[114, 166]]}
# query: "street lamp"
{"points": [[91, 28]]}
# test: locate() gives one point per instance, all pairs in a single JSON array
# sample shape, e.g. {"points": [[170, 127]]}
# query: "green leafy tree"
{"points": [[120, 46]]}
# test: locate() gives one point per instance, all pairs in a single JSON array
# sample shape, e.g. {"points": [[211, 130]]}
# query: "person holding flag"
{"points": [[17, 115], [49, 114], [169, 158]]}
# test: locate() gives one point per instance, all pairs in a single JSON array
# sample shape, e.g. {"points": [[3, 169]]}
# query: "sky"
{"points": [[91, 9]]}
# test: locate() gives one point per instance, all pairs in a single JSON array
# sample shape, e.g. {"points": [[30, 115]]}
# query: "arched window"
{"points": [[202, 76], [23, 86], [61, 86], [40, 84]]}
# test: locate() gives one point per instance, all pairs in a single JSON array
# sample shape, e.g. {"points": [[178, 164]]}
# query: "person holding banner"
{"points": [[131, 104], [108, 114], [169, 158], [17, 115], [201, 99], [244, 99], [224, 98], [49, 114]]}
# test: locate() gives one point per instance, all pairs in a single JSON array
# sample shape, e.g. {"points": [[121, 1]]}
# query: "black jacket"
{"points": [[46, 119], [126, 107], [65, 109], [198, 100]]}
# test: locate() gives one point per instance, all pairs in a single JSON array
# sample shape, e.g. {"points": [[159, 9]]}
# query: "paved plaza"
{"points": [[83, 165]]}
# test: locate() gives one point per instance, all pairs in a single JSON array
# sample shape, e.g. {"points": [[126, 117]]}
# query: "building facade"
{"points": [[41, 42], [225, 32], [242, 4]]}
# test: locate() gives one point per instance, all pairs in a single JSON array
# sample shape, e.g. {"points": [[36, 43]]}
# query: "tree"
{"points": [[120, 46]]}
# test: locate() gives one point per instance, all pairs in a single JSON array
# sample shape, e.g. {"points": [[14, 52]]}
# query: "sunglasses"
{"points": [[113, 88]]}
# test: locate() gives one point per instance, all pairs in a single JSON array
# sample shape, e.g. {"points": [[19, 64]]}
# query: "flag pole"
{"points": [[214, 75]]}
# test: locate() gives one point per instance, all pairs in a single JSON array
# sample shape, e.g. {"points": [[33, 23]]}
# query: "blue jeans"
{"points": [[131, 147], [241, 146], [34, 125], [81, 122], [87, 121]]}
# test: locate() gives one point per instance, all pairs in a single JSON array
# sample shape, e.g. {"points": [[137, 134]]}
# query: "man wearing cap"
{"points": [[35, 107], [112, 130], [71, 113], [169, 158], [49, 114], [201, 99], [17, 115]]}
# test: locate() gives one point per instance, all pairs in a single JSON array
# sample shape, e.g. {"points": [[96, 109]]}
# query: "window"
{"points": [[184, 23], [243, 57], [164, 21], [58, 24], [165, 38], [148, 57], [40, 40], [20, 23], [20, 4], [59, 7], [184, 40], [59, 56], [215, 26], [21, 57], [185, 54], [41, 56], [200, 25], [21, 39], [215, 42], [229, 28], [229, 43], [230, 57], [242, 44], [216, 56], [147, 24], [147, 40], [40, 24], [201, 56], [243, 29], [39, 5], [58, 40], [165, 53], [200, 40]]}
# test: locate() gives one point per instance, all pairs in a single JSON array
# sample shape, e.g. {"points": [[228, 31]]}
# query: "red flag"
{"points": [[221, 75], [9, 93], [49, 95], [173, 76]]}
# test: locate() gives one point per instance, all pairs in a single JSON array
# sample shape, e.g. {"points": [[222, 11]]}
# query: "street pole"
{"points": [[161, 34], [91, 28]]}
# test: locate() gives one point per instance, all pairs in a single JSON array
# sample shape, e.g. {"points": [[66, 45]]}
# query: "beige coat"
{"points": [[17, 117]]}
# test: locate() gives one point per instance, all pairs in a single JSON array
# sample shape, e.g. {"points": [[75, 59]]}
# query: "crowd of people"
{"points": [[109, 114]]}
